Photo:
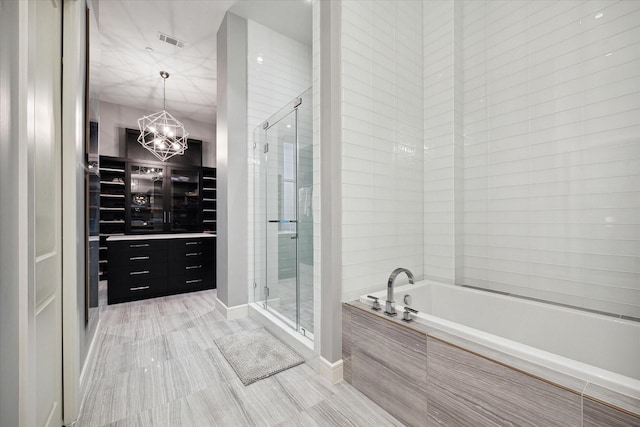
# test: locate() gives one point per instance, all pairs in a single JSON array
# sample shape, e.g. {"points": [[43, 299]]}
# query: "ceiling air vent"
{"points": [[169, 39]]}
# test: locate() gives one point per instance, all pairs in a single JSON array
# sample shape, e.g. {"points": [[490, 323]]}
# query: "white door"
{"points": [[44, 159]]}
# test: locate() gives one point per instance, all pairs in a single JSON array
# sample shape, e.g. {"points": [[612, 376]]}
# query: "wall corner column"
{"points": [[232, 164], [330, 182]]}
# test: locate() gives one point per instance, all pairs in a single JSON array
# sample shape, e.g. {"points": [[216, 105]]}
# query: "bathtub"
{"points": [[599, 349]]}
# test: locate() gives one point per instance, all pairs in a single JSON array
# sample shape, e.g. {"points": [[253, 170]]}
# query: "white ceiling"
{"points": [[129, 72]]}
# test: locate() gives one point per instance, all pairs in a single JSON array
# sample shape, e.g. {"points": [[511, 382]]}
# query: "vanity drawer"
{"points": [[187, 258], [136, 288], [190, 280], [134, 250], [179, 248], [142, 269], [184, 266], [138, 258], [140, 245]]}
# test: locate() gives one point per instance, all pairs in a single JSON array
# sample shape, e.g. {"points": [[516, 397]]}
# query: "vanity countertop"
{"points": [[158, 236]]}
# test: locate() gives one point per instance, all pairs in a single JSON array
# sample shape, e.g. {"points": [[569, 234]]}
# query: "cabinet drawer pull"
{"points": [[139, 288], [193, 243], [193, 253], [139, 245], [138, 258], [193, 281], [133, 273], [191, 267]]}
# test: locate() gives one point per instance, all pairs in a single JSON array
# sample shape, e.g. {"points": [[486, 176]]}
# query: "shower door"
{"points": [[282, 212], [281, 228]]}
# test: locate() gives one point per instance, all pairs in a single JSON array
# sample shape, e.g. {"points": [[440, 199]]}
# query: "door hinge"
{"points": [[297, 102], [266, 291], [255, 285], [266, 148]]}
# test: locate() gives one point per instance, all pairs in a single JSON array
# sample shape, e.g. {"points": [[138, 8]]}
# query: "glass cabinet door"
{"points": [[147, 199], [184, 215]]}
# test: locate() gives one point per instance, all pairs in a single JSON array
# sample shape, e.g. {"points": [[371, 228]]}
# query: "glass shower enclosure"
{"points": [[283, 217]]}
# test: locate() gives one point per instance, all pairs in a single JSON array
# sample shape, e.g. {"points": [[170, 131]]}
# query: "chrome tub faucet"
{"points": [[390, 308]]}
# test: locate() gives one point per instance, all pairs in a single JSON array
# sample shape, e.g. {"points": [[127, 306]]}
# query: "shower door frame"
{"points": [[261, 151]]}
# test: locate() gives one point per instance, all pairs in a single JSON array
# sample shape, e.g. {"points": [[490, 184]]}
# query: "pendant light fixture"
{"points": [[161, 133]]}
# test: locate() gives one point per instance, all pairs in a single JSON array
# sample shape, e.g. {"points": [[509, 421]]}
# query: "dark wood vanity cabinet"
{"points": [[157, 223], [150, 267], [192, 263]]}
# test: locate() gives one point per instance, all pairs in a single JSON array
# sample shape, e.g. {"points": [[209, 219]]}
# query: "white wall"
{"points": [[529, 177], [12, 294], [282, 72], [442, 140], [115, 118], [382, 143], [542, 198]]}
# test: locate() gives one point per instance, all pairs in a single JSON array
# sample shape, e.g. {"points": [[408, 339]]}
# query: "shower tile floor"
{"points": [[157, 365], [286, 301]]}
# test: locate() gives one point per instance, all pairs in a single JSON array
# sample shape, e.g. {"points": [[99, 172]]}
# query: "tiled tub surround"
{"points": [[437, 371]]}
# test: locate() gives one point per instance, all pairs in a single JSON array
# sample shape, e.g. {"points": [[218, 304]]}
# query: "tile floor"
{"points": [[286, 306], [157, 365]]}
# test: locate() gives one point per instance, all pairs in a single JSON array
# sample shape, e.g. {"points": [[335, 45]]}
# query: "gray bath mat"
{"points": [[256, 354]]}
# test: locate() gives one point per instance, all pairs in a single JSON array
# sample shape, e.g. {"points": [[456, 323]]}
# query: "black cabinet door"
{"points": [[146, 198], [185, 199], [162, 198]]}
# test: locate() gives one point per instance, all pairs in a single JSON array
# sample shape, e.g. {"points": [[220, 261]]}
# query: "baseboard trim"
{"points": [[89, 365], [332, 372], [230, 313]]}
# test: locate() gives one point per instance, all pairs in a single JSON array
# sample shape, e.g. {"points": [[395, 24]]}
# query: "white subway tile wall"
{"points": [[382, 142], [528, 179], [442, 140], [551, 163]]}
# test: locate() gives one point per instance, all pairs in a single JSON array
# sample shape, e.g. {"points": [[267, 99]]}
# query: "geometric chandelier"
{"points": [[160, 132]]}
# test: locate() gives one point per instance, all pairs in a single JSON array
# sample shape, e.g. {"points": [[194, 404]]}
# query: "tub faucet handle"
{"points": [[406, 316], [376, 303]]}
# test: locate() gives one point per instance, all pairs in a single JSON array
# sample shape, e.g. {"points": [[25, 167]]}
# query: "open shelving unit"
{"points": [[112, 205], [209, 206]]}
